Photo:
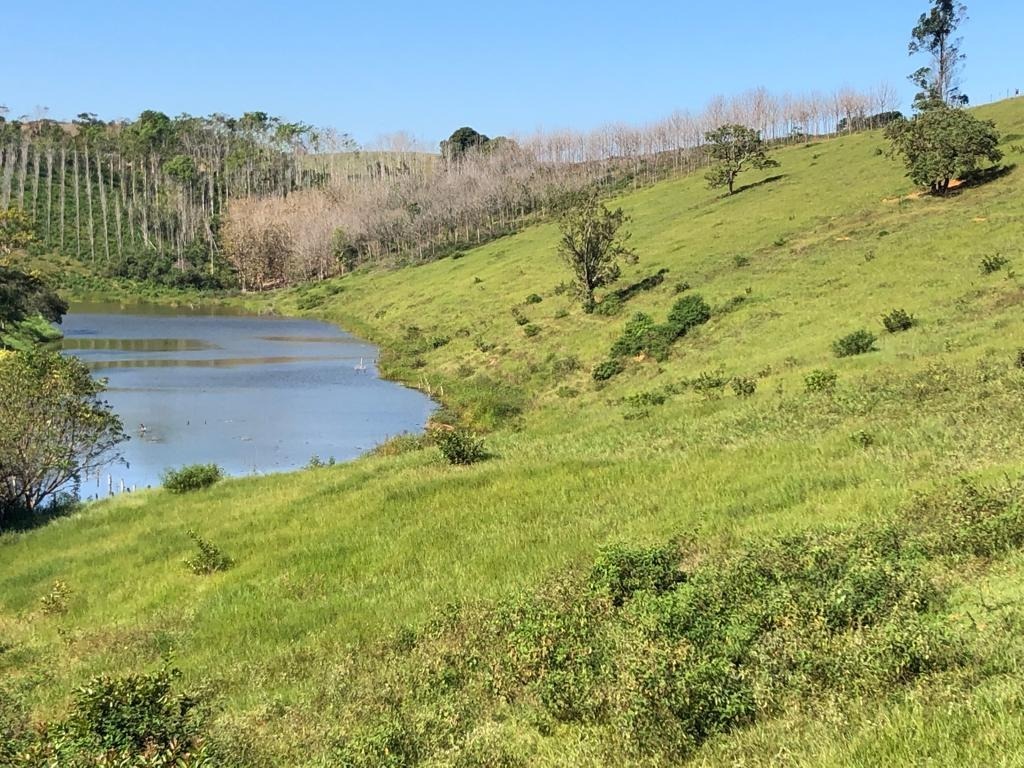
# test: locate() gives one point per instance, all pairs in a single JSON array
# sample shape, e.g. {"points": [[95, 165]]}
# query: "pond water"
{"points": [[252, 394]]}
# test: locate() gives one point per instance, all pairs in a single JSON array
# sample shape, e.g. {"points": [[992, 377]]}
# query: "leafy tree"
{"points": [[27, 306], [591, 244], [462, 141], [934, 35], [55, 427], [15, 229], [735, 148], [943, 143]]}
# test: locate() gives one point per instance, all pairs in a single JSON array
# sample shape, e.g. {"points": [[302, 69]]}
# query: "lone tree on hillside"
{"points": [[934, 35], [56, 429], [943, 143], [462, 141], [734, 148], [592, 245]]}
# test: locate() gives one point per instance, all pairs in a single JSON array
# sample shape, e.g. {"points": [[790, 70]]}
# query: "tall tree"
{"points": [[591, 244], [733, 149], [934, 35]]}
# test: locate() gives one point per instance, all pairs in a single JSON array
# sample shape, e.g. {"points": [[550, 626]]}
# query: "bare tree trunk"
{"points": [[88, 200], [78, 209], [103, 206], [49, 194]]}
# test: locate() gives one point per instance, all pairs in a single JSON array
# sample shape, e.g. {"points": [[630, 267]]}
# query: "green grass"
{"points": [[338, 558]]}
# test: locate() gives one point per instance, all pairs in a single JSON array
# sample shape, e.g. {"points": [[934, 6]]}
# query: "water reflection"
{"points": [[249, 393]]}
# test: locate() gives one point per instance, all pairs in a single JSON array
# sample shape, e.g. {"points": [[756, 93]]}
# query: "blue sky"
{"points": [[373, 68]]}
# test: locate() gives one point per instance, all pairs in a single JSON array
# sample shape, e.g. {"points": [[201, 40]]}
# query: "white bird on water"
{"points": [[360, 368]]}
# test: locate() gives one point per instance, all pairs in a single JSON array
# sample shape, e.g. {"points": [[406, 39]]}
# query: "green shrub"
{"points": [[563, 366], [315, 462], [620, 572], [634, 336], [607, 369], [993, 263], [208, 559], [681, 287], [610, 306], [193, 477], [519, 317], [55, 601], [743, 386], [898, 320], [561, 313], [687, 313], [863, 439], [820, 380], [400, 444], [436, 342], [856, 343], [531, 330], [533, 298], [459, 446], [740, 261], [709, 384]]}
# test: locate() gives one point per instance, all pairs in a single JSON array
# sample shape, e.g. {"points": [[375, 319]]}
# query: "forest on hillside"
{"points": [[260, 202]]}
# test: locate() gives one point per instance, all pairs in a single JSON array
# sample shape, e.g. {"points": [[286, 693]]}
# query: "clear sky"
{"points": [[370, 68]]}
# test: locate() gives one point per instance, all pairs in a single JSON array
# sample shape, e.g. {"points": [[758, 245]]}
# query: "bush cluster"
{"points": [[820, 380], [208, 559], [655, 650], [193, 477], [993, 263]]}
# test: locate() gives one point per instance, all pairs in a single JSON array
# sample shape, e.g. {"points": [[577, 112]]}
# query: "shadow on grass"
{"points": [[646, 284], [20, 520], [769, 180], [984, 176]]}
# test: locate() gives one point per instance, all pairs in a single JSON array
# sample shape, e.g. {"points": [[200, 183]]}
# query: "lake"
{"points": [[252, 394]]}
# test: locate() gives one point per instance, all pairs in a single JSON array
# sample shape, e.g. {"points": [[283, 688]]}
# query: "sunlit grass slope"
{"points": [[818, 248]]}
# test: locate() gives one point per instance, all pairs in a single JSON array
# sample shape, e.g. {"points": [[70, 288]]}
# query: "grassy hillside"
{"points": [[345, 557]]}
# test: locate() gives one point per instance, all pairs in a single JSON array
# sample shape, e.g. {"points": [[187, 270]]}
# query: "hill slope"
{"points": [[821, 247]]}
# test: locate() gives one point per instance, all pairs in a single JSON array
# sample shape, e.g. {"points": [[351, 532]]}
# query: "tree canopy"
{"points": [[943, 143], [734, 149], [56, 428], [27, 308]]}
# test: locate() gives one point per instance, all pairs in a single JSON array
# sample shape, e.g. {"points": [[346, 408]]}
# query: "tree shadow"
{"points": [[769, 180], [984, 176], [646, 284], [20, 520]]}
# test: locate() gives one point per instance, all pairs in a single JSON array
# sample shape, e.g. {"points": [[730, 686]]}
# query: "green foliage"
{"points": [[27, 308], [208, 559], [134, 721], [607, 369], [733, 149], [193, 477], [740, 261], [709, 384], [56, 600], [635, 335], [687, 313], [682, 287], [934, 35], [898, 320], [530, 330], [743, 386], [315, 462], [609, 306], [942, 144], [993, 263], [863, 438], [820, 380], [533, 298], [856, 343], [16, 229], [519, 317], [591, 244], [459, 446], [621, 572], [56, 428], [462, 141]]}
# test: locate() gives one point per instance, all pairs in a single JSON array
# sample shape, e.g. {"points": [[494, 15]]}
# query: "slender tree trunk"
{"points": [[88, 202], [63, 191], [78, 208]]}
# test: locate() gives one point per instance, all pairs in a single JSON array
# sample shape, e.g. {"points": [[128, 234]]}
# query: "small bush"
{"points": [[634, 336], [563, 366], [55, 601], [993, 263], [863, 439], [531, 330], [898, 320], [315, 462], [607, 369], [743, 386], [193, 477], [459, 446], [533, 298], [709, 384], [731, 304], [856, 343], [609, 306], [1019, 360], [621, 572], [437, 342], [681, 287], [740, 261], [687, 313], [209, 558], [821, 381], [563, 312], [519, 317]]}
